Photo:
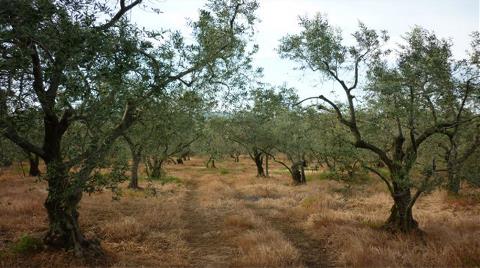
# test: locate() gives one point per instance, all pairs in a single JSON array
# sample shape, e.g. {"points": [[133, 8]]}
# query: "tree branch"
{"points": [[123, 9], [390, 187]]}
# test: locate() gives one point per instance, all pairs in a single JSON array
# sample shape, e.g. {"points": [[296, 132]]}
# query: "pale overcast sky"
{"points": [[455, 19]]}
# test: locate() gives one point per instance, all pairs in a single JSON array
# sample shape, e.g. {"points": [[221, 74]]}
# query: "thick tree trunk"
{"points": [[34, 161], [298, 173], [258, 158], [62, 209], [401, 217], [154, 167], [134, 170]]}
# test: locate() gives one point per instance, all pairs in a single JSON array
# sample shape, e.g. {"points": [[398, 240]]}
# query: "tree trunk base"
{"points": [[401, 222], [64, 229], [135, 187], [81, 247]]}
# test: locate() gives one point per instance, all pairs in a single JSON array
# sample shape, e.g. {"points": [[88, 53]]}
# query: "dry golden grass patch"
{"points": [[266, 248], [352, 227], [140, 229], [258, 244]]}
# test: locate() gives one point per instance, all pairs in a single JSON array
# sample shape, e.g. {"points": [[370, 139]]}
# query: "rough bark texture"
{"points": [[453, 185], [258, 158], [401, 217], [298, 172], [34, 161], [267, 172], [134, 171], [62, 209]]}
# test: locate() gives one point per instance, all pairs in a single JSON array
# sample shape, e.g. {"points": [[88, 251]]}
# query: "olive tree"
{"points": [[291, 137], [250, 127], [172, 126], [87, 77], [404, 90]]}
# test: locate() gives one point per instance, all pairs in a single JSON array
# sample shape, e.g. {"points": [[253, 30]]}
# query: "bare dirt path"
{"points": [[209, 247], [313, 253], [204, 232]]}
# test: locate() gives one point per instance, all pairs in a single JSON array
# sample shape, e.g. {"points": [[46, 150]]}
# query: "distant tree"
{"points": [[463, 140], [172, 126], [330, 147], [291, 136], [212, 142], [250, 127]]}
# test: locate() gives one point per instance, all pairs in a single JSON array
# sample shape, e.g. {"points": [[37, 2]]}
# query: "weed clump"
{"points": [[27, 244]]}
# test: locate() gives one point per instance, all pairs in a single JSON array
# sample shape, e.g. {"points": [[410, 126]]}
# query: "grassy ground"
{"points": [[227, 217]]}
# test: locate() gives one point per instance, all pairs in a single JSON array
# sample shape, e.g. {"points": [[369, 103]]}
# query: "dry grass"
{"points": [[351, 227], [258, 244], [239, 215]]}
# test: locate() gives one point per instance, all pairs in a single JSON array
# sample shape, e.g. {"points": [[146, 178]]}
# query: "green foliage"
{"points": [[325, 175], [167, 179], [27, 244], [224, 171], [404, 103], [471, 170]]}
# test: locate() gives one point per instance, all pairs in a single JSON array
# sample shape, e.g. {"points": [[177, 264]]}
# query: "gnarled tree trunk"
{"points": [[258, 158], [62, 209], [401, 216], [298, 172]]}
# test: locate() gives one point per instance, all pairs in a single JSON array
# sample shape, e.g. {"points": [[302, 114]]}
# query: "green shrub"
{"points": [[27, 244], [169, 179], [326, 175], [224, 171]]}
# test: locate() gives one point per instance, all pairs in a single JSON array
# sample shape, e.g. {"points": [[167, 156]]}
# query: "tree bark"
{"points": [[34, 160], [258, 158], [62, 209], [453, 185], [267, 173], [401, 216], [298, 173], [134, 170]]}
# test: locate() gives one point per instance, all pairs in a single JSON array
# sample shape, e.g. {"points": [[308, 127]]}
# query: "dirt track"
{"points": [[206, 226]]}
